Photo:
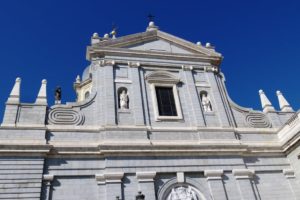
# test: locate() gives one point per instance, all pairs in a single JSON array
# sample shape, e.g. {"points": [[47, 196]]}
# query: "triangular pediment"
{"points": [[159, 41]]}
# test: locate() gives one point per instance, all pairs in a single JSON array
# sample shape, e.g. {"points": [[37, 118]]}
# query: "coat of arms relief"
{"points": [[183, 193]]}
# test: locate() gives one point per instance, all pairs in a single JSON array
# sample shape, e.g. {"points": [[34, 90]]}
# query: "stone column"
{"points": [[146, 184], [47, 181], [110, 185], [193, 97], [244, 183], [136, 94], [215, 183], [293, 184]]}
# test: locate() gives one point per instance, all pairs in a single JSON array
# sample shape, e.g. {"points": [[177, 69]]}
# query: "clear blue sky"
{"points": [[260, 41]]}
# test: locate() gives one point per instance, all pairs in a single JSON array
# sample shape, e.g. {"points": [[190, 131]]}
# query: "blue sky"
{"points": [[260, 41]]}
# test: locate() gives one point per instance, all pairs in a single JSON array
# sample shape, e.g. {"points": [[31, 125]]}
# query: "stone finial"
{"points": [[106, 36], [14, 96], [95, 38], [198, 43], [78, 80], [152, 26], [265, 103], [208, 45], [283, 103], [42, 96], [95, 35]]}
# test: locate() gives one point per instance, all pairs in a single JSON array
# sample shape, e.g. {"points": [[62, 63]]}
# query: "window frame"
{"points": [[155, 103]]}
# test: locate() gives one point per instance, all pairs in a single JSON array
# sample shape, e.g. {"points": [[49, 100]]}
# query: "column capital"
{"points": [[145, 176], [48, 178], [110, 177], [103, 63], [214, 174], [288, 173], [134, 64], [187, 67], [243, 173]]}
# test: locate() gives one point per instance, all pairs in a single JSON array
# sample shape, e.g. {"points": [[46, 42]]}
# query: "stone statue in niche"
{"points": [[182, 193], [206, 104], [124, 100]]}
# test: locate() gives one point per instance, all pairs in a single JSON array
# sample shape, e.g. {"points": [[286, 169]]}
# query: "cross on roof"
{"points": [[150, 17]]}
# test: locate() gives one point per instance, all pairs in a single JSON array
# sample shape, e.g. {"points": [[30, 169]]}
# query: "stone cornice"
{"points": [[108, 51]]}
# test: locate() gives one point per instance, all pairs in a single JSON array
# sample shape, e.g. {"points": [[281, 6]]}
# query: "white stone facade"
{"points": [[108, 146]]}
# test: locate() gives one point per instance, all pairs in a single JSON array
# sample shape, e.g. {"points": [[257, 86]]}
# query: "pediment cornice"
{"points": [[121, 45]]}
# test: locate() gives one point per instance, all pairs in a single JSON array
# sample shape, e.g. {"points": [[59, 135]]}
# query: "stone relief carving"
{"points": [[124, 100], [65, 116], [182, 193], [257, 120], [206, 103]]}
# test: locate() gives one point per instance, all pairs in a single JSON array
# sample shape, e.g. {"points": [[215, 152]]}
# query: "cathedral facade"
{"points": [[152, 120]]}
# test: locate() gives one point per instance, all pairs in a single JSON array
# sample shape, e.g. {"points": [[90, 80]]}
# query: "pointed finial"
{"points": [[78, 80], [14, 96], [42, 96], [265, 103], [283, 103]]}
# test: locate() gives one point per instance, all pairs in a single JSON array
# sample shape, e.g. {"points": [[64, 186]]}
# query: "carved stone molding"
{"points": [[187, 67], [211, 69], [103, 63], [145, 176], [111, 177], [257, 120], [288, 173], [213, 174], [65, 116], [134, 64], [243, 173]]}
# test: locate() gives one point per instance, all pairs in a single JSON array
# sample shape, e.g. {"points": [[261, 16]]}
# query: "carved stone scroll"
{"points": [[65, 116], [257, 120]]}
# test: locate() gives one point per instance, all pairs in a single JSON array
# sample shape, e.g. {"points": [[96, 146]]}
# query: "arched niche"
{"points": [[206, 101], [190, 188], [119, 92]]}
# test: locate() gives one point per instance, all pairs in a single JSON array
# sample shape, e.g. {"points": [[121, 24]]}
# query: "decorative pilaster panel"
{"points": [[215, 183], [243, 178], [146, 184], [136, 94], [113, 185], [193, 97], [293, 184], [47, 181], [109, 91]]}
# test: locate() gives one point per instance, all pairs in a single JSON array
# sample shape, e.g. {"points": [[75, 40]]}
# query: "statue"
{"points": [[182, 193], [205, 101], [57, 95], [124, 100]]}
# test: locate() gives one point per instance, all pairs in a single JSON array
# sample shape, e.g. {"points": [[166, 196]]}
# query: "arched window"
{"points": [[86, 94]]}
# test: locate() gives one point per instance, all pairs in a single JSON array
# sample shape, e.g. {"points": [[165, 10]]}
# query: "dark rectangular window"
{"points": [[165, 101]]}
